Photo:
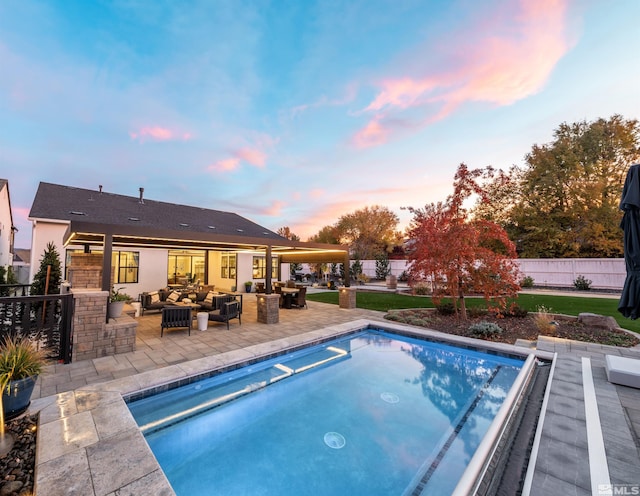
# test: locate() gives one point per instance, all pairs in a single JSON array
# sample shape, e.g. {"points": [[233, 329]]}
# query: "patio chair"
{"points": [[300, 299], [228, 311], [175, 316], [278, 290]]}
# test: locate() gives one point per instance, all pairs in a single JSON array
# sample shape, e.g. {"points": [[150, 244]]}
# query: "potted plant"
{"points": [[20, 365], [117, 301], [247, 286]]}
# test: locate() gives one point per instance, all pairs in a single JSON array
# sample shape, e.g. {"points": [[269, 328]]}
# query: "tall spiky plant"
{"points": [[19, 359]]}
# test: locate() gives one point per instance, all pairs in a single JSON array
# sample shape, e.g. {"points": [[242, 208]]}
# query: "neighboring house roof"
{"points": [[66, 203], [22, 255]]}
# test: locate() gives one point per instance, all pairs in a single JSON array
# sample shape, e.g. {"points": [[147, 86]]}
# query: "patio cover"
{"points": [[629, 304], [81, 232]]}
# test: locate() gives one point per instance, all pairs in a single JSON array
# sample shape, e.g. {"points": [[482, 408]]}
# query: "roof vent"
{"points": [[74, 212], [141, 193], [211, 227], [240, 230], [134, 219], [182, 224], [100, 188]]}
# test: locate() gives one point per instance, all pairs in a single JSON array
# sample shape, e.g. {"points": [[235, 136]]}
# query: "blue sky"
{"points": [[293, 113]]}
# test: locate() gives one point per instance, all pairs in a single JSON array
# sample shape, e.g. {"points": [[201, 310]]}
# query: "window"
{"points": [[228, 266], [259, 271], [126, 265], [185, 266]]}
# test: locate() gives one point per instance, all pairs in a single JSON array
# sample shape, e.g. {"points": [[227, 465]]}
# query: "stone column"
{"points": [[347, 297], [85, 270], [92, 337], [268, 308]]}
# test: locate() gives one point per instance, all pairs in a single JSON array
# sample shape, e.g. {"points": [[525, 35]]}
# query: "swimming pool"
{"points": [[371, 413]]}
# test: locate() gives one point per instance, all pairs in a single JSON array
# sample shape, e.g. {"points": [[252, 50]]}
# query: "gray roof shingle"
{"points": [[53, 201]]}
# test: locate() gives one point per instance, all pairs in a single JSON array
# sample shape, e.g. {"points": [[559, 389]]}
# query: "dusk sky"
{"points": [[293, 113]]}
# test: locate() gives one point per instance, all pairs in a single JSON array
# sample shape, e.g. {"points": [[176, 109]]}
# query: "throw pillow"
{"points": [[173, 297], [209, 298], [155, 297]]}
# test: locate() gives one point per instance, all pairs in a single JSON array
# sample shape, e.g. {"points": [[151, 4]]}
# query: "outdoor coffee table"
{"points": [[194, 307]]}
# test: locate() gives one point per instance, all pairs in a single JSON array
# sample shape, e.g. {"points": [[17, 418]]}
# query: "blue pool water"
{"points": [[373, 413]]}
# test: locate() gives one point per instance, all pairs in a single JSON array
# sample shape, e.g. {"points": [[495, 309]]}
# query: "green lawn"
{"points": [[569, 305]]}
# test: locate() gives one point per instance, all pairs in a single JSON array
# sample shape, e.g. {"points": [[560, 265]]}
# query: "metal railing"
{"points": [[46, 320], [14, 289]]}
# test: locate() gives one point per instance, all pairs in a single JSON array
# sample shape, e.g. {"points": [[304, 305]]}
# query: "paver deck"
{"points": [[562, 465], [75, 438]]}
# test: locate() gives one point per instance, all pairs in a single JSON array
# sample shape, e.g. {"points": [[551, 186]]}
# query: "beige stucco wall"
{"points": [[152, 273], [41, 234], [6, 258]]}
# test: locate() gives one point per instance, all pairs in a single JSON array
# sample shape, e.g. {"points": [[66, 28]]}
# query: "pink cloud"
{"points": [[157, 133], [349, 96], [275, 208], [372, 134], [506, 58], [317, 193], [20, 214], [228, 164], [401, 93], [252, 156]]}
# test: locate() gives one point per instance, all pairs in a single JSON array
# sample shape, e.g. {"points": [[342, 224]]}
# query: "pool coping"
{"points": [[89, 444]]}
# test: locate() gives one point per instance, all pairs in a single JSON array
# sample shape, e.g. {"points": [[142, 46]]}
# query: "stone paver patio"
{"points": [[89, 444]]}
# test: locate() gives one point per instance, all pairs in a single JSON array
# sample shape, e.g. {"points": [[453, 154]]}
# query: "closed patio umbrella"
{"points": [[629, 304]]}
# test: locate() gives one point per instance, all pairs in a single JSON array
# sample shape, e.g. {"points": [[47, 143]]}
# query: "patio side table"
{"points": [[203, 320]]}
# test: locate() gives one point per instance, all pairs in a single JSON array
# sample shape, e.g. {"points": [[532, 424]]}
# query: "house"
{"points": [[7, 229], [21, 258], [152, 244]]}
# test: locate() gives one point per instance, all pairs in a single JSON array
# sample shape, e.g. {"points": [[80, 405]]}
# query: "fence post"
{"points": [[66, 332]]}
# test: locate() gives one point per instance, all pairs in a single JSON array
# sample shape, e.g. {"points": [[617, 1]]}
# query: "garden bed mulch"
{"points": [[514, 328], [17, 468]]}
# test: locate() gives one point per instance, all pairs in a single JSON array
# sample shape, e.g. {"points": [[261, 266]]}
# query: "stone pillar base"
{"points": [[92, 337], [268, 308], [347, 297]]}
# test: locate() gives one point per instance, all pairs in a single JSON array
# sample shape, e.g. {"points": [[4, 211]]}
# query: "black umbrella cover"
{"points": [[629, 304]]}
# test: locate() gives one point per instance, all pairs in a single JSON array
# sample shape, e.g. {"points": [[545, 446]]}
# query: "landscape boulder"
{"points": [[593, 319]]}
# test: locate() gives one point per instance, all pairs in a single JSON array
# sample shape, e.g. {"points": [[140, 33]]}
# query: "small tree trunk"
{"points": [[463, 308], [46, 291]]}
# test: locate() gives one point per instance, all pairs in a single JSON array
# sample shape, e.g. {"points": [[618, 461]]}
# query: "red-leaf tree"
{"points": [[459, 255]]}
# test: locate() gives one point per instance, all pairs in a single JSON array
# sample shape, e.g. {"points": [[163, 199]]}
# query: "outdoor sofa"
{"points": [[208, 300]]}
